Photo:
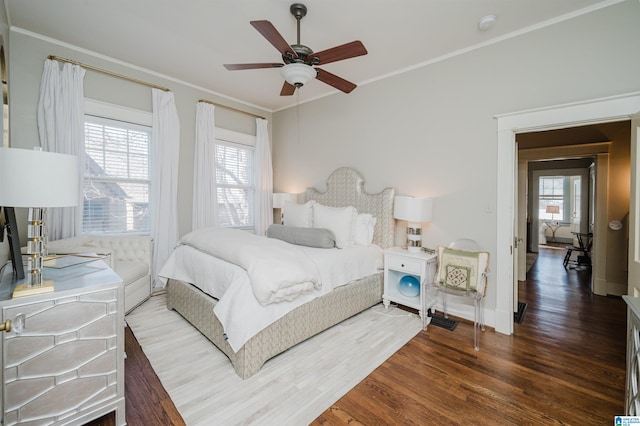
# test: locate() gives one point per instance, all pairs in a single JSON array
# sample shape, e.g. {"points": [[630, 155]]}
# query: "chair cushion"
{"points": [[130, 271], [462, 270]]}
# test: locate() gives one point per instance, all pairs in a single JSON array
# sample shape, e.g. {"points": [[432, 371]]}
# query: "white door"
{"points": [[634, 211], [521, 232]]}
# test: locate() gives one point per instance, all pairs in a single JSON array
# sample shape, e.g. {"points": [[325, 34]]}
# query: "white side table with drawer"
{"points": [[400, 263]]}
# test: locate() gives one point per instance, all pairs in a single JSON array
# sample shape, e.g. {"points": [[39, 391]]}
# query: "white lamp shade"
{"points": [[33, 178], [298, 74], [280, 199], [411, 209]]}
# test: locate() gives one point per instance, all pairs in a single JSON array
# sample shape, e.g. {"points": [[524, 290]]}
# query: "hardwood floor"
{"points": [[564, 364], [147, 402]]}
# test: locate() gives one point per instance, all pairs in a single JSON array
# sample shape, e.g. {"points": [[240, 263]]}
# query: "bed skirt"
{"points": [[298, 325]]}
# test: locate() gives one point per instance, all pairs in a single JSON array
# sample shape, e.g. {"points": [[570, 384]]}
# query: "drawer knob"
{"points": [[5, 326], [402, 264]]}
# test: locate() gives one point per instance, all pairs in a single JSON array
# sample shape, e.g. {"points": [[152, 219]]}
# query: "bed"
{"points": [[344, 187]]}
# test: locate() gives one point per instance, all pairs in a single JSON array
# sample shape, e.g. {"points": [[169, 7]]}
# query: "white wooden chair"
{"points": [[462, 271]]}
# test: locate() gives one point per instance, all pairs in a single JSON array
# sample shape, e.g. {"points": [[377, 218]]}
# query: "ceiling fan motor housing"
{"points": [[305, 55]]}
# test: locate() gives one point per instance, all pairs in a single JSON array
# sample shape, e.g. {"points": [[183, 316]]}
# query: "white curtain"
{"points": [[165, 144], [60, 117], [264, 179], [205, 205]]}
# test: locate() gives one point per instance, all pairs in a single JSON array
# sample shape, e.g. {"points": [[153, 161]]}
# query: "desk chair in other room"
{"points": [[583, 250], [464, 273]]}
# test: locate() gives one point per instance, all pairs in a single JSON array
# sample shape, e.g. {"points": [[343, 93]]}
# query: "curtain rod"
{"points": [[231, 108], [111, 73]]}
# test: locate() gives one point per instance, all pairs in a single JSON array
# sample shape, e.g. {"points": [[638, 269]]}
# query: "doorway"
{"points": [[565, 159], [610, 109]]}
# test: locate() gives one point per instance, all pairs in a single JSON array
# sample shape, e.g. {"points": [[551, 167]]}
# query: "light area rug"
{"points": [[293, 388]]}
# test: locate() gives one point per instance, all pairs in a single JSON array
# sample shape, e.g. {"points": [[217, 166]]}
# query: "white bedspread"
{"points": [[278, 271], [239, 312]]}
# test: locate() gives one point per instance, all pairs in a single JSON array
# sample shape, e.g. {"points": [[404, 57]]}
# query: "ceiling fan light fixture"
{"points": [[298, 74]]}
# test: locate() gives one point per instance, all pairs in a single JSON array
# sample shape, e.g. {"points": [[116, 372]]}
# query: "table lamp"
{"points": [[553, 210], [416, 211], [36, 180], [280, 199]]}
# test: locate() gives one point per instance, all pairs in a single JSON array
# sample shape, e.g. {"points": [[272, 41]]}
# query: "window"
{"points": [[235, 179], [116, 176], [561, 191], [551, 194]]}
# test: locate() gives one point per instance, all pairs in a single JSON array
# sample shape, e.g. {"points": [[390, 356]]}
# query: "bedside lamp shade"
{"points": [[415, 211], [35, 179], [280, 199]]}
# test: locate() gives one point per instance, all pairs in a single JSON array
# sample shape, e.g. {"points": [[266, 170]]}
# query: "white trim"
{"points": [[614, 108], [235, 137], [571, 114], [117, 112]]}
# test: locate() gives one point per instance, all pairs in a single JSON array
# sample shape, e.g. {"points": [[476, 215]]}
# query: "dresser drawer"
{"points": [[401, 263]]}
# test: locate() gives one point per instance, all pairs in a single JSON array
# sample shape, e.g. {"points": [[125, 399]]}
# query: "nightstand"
{"points": [[408, 280], [63, 357]]}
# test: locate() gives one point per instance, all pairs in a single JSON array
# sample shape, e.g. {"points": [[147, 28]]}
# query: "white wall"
{"points": [[28, 53], [431, 132]]}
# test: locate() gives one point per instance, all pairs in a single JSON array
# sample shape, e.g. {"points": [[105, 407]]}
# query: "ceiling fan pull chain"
{"points": [[298, 113]]}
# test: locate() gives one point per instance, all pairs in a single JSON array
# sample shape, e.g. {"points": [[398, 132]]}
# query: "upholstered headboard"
{"points": [[345, 187]]}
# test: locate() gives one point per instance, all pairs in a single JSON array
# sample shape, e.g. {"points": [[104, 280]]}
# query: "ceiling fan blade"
{"points": [[287, 89], [235, 67], [272, 35], [335, 81], [338, 53]]}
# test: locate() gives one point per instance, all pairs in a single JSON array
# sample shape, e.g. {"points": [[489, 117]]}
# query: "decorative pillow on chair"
{"points": [[463, 270], [299, 215], [340, 220]]}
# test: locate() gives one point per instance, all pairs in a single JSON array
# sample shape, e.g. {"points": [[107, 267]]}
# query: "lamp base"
{"points": [[414, 237], [22, 290]]}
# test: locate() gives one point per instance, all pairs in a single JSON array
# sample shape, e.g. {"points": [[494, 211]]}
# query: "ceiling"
{"points": [[191, 40]]}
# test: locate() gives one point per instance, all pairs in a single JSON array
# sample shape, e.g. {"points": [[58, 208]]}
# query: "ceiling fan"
{"points": [[300, 62]]}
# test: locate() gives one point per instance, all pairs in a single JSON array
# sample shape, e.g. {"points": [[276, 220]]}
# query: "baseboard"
{"points": [[600, 287], [616, 289]]}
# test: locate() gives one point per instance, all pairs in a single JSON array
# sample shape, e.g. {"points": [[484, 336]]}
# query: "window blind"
{"points": [[116, 177], [235, 184]]}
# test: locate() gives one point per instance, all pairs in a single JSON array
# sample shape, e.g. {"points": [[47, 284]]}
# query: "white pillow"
{"points": [[299, 215], [340, 220], [364, 227]]}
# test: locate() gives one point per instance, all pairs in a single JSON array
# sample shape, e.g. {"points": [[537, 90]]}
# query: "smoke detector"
{"points": [[486, 22]]}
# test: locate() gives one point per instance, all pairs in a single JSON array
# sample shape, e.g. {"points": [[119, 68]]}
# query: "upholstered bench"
{"points": [[129, 256]]}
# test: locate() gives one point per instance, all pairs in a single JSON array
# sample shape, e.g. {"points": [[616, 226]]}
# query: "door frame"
{"points": [[615, 108]]}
